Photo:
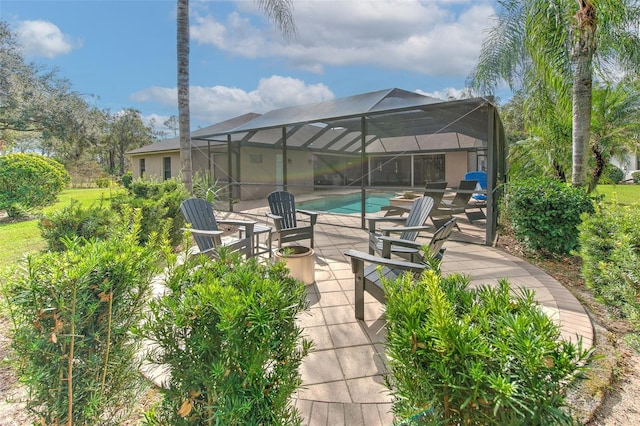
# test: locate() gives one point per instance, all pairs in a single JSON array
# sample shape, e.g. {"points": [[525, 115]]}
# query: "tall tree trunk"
{"points": [[183, 93], [601, 164], [584, 49]]}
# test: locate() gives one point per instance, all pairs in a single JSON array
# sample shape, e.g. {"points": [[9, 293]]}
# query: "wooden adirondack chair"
{"points": [[284, 215], [206, 232]]}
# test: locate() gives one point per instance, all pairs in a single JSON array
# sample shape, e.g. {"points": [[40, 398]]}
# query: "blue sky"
{"points": [[123, 53]]}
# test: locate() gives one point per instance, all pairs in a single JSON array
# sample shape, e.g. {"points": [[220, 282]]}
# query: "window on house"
{"points": [[142, 167], [166, 161]]}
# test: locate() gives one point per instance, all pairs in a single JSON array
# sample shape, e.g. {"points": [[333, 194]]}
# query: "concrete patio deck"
{"points": [[342, 377]]}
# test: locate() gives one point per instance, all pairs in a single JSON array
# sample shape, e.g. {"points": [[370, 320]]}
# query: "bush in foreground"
{"points": [[459, 356], [227, 331], [73, 314], [610, 251], [76, 222]]}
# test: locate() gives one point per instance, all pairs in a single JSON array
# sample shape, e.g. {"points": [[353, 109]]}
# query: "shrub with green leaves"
{"points": [[126, 179], [105, 182], [610, 251], [205, 187], [30, 181], [636, 177], [485, 356], [612, 175], [544, 213], [160, 205], [75, 221], [227, 331], [73, 313]]}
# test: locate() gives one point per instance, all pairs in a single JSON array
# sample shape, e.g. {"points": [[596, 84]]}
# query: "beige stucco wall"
{"points": [[154, 165], [455, 167], [259, 177]]}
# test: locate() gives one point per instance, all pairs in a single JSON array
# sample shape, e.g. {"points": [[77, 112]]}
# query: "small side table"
{"points": [[260, 249]]}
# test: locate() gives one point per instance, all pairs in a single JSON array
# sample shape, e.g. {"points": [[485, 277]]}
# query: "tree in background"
{"points": [[278, 11], [37, 104], [555, 48], [172, 124], [615, 124], [539, 136], [125, 131]]}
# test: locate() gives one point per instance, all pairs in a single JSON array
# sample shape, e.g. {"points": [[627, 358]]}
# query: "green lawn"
{"points": [[18, 239], [624, 194]]}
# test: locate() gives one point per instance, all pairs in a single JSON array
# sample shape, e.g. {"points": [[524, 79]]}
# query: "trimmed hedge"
{"points": [[30, 181], [227, 330]]}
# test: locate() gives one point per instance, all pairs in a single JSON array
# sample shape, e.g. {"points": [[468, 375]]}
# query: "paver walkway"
{"points": [[343, 376]]}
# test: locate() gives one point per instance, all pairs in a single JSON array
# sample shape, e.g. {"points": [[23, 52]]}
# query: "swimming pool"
{"points": [[349, 203]]}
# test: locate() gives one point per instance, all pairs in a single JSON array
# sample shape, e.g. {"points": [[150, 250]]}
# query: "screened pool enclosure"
{"points": [[389, 141]]}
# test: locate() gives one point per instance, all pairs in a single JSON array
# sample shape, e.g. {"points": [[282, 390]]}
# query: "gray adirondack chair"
{"points": [[370, 271], [284, 214], [412, 224], [207, 233]]}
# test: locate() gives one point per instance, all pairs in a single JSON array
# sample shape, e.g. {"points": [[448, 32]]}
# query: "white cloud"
{"points": [[210, 105], [449, 93], [44, 39], [433, 38]]}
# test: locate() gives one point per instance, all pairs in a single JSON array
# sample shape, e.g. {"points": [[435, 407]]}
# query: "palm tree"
{"points": [[184, 119], [558, 46], [615, 124], [278, 11]]}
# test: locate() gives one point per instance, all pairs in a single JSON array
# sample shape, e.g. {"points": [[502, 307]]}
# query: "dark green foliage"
{"points": [[72, 314], [30, 181], [545, 213], [17, 211], [205, 187], [126, 179], [636, 177], [482, 356], [159, 203], [75, 221], [610, 251], [612, 175], [227, 330]]}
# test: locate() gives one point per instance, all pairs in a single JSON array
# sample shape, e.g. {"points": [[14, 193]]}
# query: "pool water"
{"points": [[349, 203]]}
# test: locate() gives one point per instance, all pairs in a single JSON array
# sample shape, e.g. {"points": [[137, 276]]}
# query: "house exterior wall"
{"points": [[456, 165], [629, 164], [258, 167], [154, 165]]}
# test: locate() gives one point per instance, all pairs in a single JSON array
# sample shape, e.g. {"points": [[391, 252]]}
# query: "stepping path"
{"points": [[343, 375]]}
